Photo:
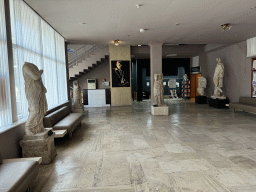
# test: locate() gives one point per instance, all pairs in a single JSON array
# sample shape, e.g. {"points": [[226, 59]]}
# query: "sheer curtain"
{"points": [[61, 68], [36, 41], [5, 98], [26, 48], [49, 64]]}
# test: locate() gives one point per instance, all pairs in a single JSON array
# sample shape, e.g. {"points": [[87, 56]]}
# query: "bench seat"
{"points": [[63, 119], [18, 176], [70, 122], [246, 104]]}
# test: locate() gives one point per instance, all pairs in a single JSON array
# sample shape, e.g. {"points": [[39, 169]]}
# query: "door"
{"points": [[194, 84]]}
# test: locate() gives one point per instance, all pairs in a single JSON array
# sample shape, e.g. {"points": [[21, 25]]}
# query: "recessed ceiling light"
{"points": [[138, 6], [83, 23], [171, 55], [142, 30], [139, 45]]}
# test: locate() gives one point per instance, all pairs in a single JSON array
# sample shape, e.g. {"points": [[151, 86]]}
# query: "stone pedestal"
{"points": [[39, 145], [201, 99], [77, 110], [163, 110], [218, 103]]}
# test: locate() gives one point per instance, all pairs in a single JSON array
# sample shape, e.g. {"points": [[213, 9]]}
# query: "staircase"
{"points": [[85, 60]]}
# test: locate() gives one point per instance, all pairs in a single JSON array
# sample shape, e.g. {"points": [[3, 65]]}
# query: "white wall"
{"points": [[237, 74]]}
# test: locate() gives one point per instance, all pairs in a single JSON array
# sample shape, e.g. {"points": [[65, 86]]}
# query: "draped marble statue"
{"points": [[218, 79], [35, 94], [158, 90], [201, 85], [77, 103]]}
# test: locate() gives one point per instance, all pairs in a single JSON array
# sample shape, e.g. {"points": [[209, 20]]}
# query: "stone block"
{"points": [[39, 145], [163, 110]]}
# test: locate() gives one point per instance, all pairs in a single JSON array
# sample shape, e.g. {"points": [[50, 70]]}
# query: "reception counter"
{"points": [[96, 97]]}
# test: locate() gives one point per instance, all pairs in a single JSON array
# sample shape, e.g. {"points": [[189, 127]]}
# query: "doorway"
{"points": [[194, 85]]}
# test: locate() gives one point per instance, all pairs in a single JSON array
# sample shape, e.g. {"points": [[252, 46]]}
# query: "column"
{"points": [[120, 95], [155, 64]]}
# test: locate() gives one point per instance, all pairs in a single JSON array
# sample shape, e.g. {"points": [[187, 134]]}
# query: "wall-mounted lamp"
{"points": [[116, 42], [226, 26]]}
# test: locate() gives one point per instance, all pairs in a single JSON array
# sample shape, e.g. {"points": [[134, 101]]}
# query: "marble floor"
{"points": [[196, 148]]}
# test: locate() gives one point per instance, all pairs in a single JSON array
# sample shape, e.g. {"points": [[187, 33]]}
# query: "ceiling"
{"points": [[166, 21]]}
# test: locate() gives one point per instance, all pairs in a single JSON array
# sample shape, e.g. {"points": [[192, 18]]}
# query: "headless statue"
{"points": [[158, 90], [218, 79], [77, 96], [35, 94]]}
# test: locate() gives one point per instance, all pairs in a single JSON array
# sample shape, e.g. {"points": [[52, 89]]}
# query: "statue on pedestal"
{"points": [[201, 85], [35, 94], [158, 90], [218, 80], [77, 104]]}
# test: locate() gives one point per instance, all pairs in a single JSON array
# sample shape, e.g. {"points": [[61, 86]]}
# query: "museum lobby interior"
{"points": [[123, 145]]}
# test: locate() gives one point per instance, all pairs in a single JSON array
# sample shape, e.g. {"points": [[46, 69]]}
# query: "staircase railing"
{"points": [[83, 53]]}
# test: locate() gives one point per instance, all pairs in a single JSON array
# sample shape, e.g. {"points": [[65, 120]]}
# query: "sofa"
{"points": [[17, 176], [63, 119], [246, 104]]}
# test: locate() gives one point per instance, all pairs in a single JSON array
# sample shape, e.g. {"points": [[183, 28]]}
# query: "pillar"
{"points": [[120, 96], [155, 64]]}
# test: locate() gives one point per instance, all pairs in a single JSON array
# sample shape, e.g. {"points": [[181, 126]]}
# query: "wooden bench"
{"points": [[246, 104]]}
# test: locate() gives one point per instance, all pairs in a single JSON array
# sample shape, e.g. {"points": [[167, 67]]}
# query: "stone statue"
{"points": [[77, 104], [218, 79], [158, 90], [35, 94], [185, 77], [201, 85]]}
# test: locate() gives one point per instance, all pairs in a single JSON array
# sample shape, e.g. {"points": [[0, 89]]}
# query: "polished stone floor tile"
{"points": [[196, 148]]}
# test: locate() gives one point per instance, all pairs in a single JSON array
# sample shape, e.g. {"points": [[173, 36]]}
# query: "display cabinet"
{"points": [[186, 89]]}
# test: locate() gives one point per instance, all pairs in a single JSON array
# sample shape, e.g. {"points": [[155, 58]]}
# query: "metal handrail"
{"points": [[78, 57]]}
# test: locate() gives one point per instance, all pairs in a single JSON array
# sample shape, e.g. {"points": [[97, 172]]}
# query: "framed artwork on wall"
{"points": [[120, 73]]}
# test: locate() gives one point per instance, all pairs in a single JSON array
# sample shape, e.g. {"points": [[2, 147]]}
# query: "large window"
{"points": [[5, 98], [35, 41]]}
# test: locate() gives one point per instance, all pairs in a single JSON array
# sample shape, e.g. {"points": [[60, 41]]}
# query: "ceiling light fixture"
{"points": [[139, 45], [138, 6], [226, 26], [116, 42], [142, 30]]}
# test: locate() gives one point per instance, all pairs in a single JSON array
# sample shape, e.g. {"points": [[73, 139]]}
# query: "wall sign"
{"points": [[120, 73], [70, 50], [195, 69]]}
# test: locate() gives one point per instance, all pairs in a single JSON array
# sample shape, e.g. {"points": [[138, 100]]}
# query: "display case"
{"points": [[186, 89], [253, 77]]}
